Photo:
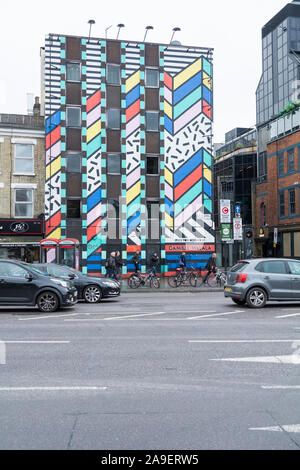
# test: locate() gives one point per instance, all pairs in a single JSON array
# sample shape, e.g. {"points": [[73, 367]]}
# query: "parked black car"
{"points": [[90, 289], [22, 284]]}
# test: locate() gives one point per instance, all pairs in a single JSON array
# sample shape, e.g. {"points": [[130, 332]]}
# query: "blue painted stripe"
{"points": [[53, 121], [94, 199], [207, 95], [169, 207], [94, 267], [207, 188], [188, 257], [168, 124], [132, 96], [133, 222], [187, 168], [94, 258], [174, 266], [94, 146], [187, 88]]}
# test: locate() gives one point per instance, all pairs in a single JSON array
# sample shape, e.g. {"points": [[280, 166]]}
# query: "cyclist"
{"points": [[182, 262], [211, 267], [136, 261]]}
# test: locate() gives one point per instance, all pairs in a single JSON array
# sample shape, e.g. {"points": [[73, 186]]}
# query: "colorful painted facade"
{"points": [[184, 139]]}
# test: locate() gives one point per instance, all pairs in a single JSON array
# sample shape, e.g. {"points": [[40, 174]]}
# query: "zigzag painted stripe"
{"points": [[187, 73]]}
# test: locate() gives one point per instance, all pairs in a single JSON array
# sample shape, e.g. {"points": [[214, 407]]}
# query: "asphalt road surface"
{"points": [[161, 371]]}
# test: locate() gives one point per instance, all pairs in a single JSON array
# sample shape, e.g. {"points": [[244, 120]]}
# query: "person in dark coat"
{"points": [[154, 261], [119, 265], [211, 267], [111, 266], [182, 262], [136, 261]]}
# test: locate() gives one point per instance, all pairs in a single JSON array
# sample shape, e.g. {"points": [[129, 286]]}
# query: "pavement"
{"points": [[165, 288], [151, 372]]}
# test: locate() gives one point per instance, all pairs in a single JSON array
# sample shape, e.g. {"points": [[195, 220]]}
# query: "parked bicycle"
{"points": [[183, 277], [137, 280], [217, 279]]}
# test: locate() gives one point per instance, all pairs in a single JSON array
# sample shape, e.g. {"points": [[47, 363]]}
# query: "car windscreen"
{"points": [[239, 267], [35, 270]]}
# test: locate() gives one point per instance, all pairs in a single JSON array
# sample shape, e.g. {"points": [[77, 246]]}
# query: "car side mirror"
{"points": [[72, 276], [29, 277]]}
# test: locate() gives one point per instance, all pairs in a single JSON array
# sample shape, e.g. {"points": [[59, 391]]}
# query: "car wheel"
{"points": [[256, 298], [239, 302], [48, 302], [92, 294]]}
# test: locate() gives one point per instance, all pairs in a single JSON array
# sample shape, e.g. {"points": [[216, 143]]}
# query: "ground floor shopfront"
{"points": [[20, 239]]}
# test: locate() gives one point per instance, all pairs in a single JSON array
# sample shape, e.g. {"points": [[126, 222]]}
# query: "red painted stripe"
{"points": [[94, 229], [207, 109], [53, 137], [168, 81], [133, 248], [93, 101], [133, 110], [53, 223], [189, 181]]}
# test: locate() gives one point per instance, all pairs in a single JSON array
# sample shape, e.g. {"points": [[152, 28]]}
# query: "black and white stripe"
{"points": [[52, 69], [93, 66], [177, 59], [132, 58]]}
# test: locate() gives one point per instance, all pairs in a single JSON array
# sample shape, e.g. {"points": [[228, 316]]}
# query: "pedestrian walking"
{"points": [[154, 261], [211, 267], [136, 261], [111, 266], [182, 261], [119, 266]]}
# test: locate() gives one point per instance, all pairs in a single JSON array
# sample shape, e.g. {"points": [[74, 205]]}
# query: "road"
{"points": [[151, 371]]}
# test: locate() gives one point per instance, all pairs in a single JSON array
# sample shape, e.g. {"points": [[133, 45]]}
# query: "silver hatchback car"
{"points": [[257, 281]]}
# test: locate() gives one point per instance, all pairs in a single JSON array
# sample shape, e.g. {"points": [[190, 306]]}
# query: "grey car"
{"points": [[255, 282]]}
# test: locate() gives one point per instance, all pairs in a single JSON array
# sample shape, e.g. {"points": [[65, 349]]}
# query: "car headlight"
{"points": [[110, 284], [61, 283]]}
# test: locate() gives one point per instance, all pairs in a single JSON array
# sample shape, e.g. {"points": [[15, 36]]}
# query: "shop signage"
{"points": [[225, 211], [226, 232], [190, 248], [21, 227], [237, 229]]}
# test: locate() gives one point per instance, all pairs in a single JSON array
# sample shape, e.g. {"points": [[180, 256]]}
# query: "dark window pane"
{"points": [[152, 166], [152, 78], [114, 164], [73, 209], [291, 160], [274, 267], [113, 74], [152, 120], [73, 117], [74, 163], [73, 72], [113, 119]]}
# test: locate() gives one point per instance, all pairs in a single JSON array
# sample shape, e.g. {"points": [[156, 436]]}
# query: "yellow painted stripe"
{"points": [[187, 73], [207, 174], [168, 177], [56, 234], [53, 168], [132, 81], [92, 131], [207, 81], [168, 110], [133, 192], [169, 221]]}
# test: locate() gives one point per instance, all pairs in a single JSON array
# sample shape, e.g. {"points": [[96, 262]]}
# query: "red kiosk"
{"points": [[64, 252]]}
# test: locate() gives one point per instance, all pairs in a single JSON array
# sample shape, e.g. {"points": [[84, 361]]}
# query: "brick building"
{"points": [[22, 183]]}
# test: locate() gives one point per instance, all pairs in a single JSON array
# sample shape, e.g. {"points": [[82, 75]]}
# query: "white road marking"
{"points": [[135, 316], [281, 387], [50, 389], [291, 428], [216, 315], [289, 316], [52, 316], [87, 320], [291, 359], [37, 342], [245, 341]]}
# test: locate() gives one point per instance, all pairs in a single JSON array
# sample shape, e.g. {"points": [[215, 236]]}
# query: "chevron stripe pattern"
{"points": [[94, 196], [53, 180], [188, 162], [133, 160]]}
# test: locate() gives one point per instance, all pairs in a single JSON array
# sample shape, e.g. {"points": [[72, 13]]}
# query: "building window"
{"points": [[262, 169], [73, 208], [292, 202], [24, 160], [113, 164], [152, 165], [152, 121], [281, 205], [73, 73], [73, 163], [291, 160], [73, 117], [24, 203], [152, 78], [113, 119], [113, 219], [281, 164], [263, 215], [113, 74]]}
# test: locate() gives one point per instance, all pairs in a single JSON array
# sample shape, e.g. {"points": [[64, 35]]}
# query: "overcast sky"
{"points": [[231, 27]]}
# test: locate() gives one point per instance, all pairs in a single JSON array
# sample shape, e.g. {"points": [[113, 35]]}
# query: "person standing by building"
{"points": [[111, 266], [119, 266], [182, 262], [154, 261], [211, 267], [136, 261]]}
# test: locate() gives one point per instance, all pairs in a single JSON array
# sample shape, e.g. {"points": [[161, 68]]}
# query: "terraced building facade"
{"points": [[129, 149]]}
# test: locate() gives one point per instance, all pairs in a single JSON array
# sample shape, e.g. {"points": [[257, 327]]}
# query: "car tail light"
{"points": [[241, 278]]}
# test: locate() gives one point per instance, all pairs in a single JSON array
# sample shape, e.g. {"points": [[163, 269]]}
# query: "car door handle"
{"points": [[267, 278]]}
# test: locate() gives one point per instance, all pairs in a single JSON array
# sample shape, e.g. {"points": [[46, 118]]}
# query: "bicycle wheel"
{"points": [[133, 282], [193, 279], [212, 280], [174, 282], [199, 281], [155, 282]]}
